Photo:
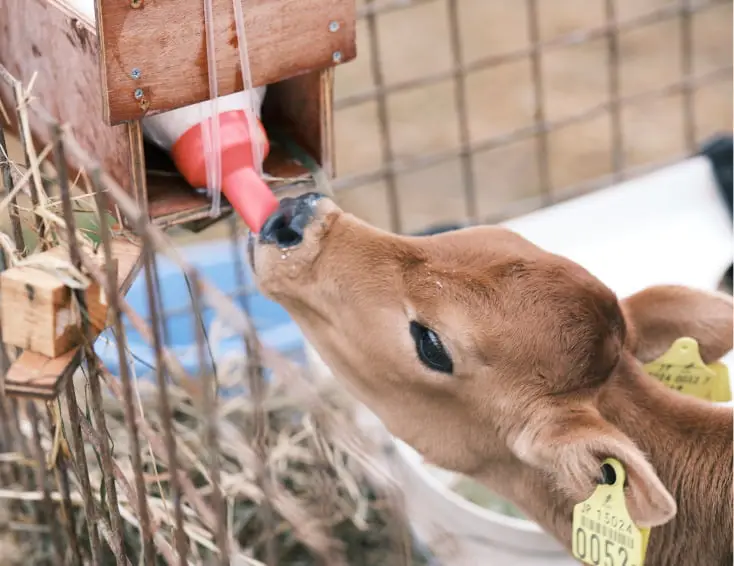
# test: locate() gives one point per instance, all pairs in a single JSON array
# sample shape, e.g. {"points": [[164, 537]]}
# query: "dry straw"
{"points": [[300, 482]]}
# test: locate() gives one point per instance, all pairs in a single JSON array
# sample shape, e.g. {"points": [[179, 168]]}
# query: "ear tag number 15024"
{"points": [[603, 532], [682, 369]]}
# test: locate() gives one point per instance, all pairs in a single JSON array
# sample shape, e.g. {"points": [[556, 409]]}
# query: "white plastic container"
{"points": [[165, 128], [227, 154], [461, 533]]}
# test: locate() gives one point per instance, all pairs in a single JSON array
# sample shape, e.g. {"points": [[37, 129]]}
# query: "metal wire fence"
{"points": [[61, 470], [538, 50], [167, 468]]}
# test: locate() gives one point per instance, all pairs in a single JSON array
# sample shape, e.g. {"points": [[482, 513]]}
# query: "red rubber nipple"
{"points": [[248, 194]]}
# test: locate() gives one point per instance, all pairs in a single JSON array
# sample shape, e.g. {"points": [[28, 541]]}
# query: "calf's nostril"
{"points": [[282, 229], [287, 225]]}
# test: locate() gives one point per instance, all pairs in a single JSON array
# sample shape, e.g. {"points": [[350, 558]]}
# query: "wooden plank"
{"points": [[38, 312], [302, 107], [34, 375], [48, 38], [166, 42]]}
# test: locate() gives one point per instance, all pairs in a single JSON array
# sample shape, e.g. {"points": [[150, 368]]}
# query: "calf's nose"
{"points": [[286, 226]]}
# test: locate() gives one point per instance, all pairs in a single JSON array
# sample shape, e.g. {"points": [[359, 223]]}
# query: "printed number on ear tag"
{"points": [[603, 532], [682, 369]]}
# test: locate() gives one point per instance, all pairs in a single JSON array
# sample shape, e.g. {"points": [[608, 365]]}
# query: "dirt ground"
{"points": [[414, 42]]}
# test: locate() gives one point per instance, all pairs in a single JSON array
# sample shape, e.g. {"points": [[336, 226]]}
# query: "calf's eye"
{"points": [[431, 352]]}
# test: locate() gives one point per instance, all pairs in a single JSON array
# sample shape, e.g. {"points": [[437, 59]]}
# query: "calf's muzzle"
{"points": [[286, 226]]}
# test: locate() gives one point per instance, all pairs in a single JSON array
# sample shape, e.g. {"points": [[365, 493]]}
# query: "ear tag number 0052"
{"points": [[603, 532], [682, 369]]}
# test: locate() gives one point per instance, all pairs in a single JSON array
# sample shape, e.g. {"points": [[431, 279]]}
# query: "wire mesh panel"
{"points": [[475, 110], [174, 459], [456, 110]]}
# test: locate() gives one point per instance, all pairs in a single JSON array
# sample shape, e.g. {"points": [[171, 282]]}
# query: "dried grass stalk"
{"points": [[328, 497]]}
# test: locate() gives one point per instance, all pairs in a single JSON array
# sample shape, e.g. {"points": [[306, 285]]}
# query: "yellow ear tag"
{"points": [[682, 369], [603, 532], [721, 392]]}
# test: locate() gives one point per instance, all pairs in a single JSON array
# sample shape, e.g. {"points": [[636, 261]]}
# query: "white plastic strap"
{"points": [[210, 135], [258, 147]]}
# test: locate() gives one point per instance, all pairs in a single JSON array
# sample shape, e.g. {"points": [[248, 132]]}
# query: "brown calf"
{"points": [[496, 359]]}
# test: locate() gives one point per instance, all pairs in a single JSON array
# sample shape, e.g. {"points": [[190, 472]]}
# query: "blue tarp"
{"points": [[214, 261]]}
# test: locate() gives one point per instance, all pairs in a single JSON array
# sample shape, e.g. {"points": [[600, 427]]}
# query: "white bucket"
{"points": [[461, 533]]}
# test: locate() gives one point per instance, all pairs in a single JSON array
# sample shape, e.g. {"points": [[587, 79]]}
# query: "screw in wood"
{"points": [[333, 26], [138, 94], [337, 56], [135, 73]]}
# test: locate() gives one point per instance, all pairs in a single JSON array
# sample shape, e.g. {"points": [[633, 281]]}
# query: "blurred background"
{"points": [[460, 110]]}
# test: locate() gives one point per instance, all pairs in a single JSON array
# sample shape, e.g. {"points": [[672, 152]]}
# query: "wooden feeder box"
{"points": [[101, 74], [39, 313], [141, 57], [36, 373]]}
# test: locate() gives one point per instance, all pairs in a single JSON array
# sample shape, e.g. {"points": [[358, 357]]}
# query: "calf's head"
{"points": [[476, 347]]}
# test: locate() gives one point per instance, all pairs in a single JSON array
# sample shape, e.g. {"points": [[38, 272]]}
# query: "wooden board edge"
{"points": [[24, 375], [72, 11], [159, 84], [53, 39]]}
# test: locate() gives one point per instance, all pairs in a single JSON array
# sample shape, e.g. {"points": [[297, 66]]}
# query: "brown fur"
{"points": [[547, 376]]}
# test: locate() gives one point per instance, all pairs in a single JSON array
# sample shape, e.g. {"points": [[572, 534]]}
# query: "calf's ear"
{"points": [[657, 316], [571, 449]]}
